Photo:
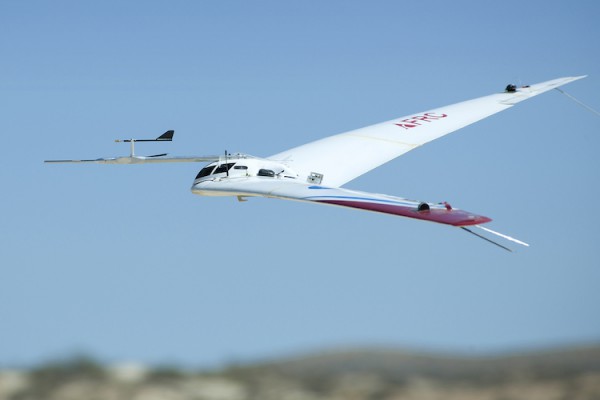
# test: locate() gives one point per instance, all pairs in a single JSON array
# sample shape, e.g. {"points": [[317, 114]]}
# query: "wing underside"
{"points": [[441, 213]]}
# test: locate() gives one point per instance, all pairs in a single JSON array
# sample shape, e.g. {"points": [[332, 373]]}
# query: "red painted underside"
{"points": [[443, 216]]}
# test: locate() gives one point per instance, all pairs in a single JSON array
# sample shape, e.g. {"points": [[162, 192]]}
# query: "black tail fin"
{"points": [[167, 136]]}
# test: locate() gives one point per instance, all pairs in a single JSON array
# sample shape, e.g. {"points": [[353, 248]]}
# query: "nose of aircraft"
{"points": [[206, 188], [196, 187]]}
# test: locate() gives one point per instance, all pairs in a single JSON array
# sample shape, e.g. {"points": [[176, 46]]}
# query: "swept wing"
{"points": [[346, 156]]}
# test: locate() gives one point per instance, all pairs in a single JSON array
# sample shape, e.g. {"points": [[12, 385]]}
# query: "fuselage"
{"points": [[248, 177], [238, 175]]}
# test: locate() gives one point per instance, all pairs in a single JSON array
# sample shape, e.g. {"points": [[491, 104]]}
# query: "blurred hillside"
{"points": [[359, 374]]}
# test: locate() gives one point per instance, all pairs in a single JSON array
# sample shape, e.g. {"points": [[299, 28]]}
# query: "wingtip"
{"points": [[576, 78]]}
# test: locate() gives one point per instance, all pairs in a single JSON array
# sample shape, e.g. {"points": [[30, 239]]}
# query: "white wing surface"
{"points": [[346, 156]]}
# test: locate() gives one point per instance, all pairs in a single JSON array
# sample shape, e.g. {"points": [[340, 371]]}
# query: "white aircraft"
{"points": [[315, 172]]}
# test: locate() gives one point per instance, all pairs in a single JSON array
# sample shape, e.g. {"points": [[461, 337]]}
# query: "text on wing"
{"points": [[419, 120]]}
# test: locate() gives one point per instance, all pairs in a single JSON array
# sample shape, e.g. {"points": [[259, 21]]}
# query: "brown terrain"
{"points": [[376, 374]]}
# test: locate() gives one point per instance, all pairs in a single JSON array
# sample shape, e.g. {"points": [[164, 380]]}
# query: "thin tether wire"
{"points": [[581, 103]]}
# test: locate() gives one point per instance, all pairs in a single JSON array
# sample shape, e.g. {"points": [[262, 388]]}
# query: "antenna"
{"points": [[484, 238], [494, 233]]}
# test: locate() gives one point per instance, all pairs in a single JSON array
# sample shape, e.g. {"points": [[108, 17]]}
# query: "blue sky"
{"points": [[124, 263]]}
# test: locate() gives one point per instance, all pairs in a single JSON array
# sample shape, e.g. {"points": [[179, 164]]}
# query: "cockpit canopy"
{"points": [[246, 168], [213, 169]]}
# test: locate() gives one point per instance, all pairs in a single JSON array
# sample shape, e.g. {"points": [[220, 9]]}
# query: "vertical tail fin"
{"points": [[167, 136]]}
